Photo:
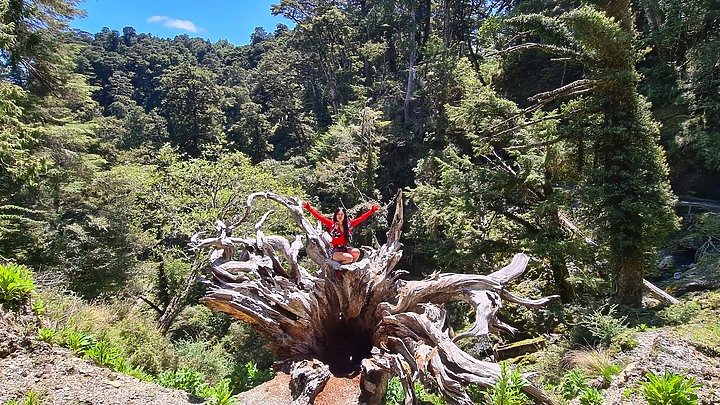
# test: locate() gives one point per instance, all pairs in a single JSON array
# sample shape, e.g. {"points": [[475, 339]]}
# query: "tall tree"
{"points": [[32, 45], [625, 188], [192, 107]]}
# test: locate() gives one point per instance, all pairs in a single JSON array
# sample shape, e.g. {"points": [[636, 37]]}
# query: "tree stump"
{"points": [[370, 322]]}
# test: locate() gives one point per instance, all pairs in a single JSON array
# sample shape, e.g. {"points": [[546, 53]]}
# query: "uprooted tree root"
{"points": [[371, 322]]}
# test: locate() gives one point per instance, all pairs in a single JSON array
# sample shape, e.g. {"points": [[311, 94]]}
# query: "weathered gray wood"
{"points": [[370, 322], [662, 295]]}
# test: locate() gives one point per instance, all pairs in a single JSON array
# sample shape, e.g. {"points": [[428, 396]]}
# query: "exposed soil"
{"points": [[62, 378]]}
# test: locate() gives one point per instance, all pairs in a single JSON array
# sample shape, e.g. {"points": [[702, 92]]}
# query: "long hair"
{"points": [[346, 223]]}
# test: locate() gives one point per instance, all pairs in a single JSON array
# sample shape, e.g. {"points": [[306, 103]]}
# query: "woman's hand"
{"points": [[374, 208], [306, 205]]}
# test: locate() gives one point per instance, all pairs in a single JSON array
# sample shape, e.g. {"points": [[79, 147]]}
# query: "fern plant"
{"points": [[669, 389]]}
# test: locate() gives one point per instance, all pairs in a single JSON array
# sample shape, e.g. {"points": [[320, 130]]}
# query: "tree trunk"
{"points": [[370, 322]]}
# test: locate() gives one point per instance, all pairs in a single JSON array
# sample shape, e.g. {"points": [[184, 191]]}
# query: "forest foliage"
{"points": [[515, 126]]}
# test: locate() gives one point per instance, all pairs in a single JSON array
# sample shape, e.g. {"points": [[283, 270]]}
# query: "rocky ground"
{"points": [[27, 364], [62, 378], [660, 350]]}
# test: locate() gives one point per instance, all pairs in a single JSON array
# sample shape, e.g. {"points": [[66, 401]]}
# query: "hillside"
{"points": [[29, 364]]}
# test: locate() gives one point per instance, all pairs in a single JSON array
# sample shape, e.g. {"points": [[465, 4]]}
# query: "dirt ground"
{"points": [[27, 364]]}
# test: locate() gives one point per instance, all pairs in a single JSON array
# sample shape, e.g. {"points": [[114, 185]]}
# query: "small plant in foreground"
{"points": [[508, 389], [31, 398], [247, 376], [47, 335], [669, 389], [79, 342], [394, 393], [598, 363], [574, 382], [16, 283], [220, 394], [183, 379], [105, 354], [591, 396]]}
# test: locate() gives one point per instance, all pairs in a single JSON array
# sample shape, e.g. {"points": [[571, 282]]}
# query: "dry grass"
{"points": [[596, 362]]}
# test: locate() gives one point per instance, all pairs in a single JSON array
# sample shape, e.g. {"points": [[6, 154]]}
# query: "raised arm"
{"points": [[358, 220], [326, 221]]}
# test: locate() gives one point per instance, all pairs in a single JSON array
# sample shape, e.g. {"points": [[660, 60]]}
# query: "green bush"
{"points": [[245, 345], [198, 322], [210, 360], [16, 283], [669, 389], [681, 313], [603, 328], [183, 379], [220, 394], [143, 345]]}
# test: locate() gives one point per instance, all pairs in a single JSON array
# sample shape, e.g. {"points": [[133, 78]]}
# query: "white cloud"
{"points": [[173, 23], [182, 24], [157, 18]]}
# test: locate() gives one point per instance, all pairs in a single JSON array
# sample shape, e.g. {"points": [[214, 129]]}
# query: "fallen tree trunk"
{"points": [[371, 322]]}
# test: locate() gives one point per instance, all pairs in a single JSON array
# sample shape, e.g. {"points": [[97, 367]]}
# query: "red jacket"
{"points": [[338, 238]]}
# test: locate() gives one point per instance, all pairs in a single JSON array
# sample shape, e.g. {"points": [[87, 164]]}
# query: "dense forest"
{"points": [[564, 130]]}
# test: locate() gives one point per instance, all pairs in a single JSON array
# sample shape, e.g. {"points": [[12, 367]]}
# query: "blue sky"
{"points": [[234, 20]]}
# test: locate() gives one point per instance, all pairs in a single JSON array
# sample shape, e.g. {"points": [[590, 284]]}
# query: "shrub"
{"points": [[184, 379], [669, 389], [246, 345], [16, 283], [220, 394], [603, 328], [143, 345], [60, 307], [210, 360], [681, 313], [198, 322]]}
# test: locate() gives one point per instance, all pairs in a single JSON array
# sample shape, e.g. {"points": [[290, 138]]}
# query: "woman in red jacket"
{"points": [[341, 229]]}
